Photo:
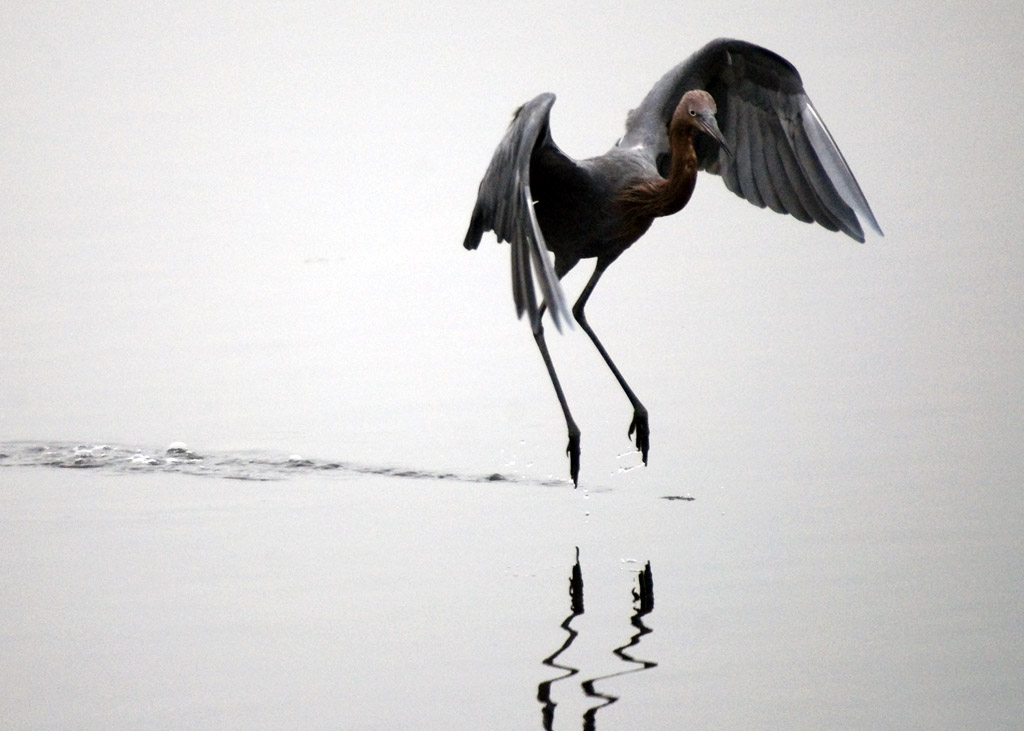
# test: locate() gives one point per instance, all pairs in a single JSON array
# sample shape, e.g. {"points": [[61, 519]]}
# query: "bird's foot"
{"points": [[643, 431], [573, 450]]}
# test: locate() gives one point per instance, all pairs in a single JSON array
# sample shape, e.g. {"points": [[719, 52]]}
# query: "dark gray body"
{"points": [[783, 157]]}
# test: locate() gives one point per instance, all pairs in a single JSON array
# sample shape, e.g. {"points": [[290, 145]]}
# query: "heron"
{"points": [[732, 109]]}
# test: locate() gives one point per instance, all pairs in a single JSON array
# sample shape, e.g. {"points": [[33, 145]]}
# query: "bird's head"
{"points": [[697, 109]]}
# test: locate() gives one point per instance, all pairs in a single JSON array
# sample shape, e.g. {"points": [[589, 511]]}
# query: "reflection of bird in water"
{"points": [[576, 609], [643, 599], [768, 144]]}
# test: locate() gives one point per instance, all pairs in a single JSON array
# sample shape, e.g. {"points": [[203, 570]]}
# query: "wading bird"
{"points": [[768, 144]]}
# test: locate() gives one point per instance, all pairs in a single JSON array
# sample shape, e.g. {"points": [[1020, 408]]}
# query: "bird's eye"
{"points": [[693, 112]]}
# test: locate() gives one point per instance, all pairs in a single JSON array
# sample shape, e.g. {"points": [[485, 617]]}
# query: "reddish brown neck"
{"points": [[665, 196]]}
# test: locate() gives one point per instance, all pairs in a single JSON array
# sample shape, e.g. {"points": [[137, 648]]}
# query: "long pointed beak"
{"points": [[710, 126]]}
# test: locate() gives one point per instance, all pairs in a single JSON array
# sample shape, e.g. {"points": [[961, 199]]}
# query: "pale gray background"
{"points": [[240, 226]]}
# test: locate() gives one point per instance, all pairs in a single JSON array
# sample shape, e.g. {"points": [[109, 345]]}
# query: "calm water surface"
{"points": [[254, 589]]}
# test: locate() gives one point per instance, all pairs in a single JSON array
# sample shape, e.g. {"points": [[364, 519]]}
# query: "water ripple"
{"points": [[242, 465]]}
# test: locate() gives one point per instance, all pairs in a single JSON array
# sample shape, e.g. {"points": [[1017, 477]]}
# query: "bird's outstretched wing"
{"points": [[783, 156], [504, 205]]}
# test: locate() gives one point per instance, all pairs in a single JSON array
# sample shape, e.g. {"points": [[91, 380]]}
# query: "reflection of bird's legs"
{"points": [[639, 423], [573, 450]]}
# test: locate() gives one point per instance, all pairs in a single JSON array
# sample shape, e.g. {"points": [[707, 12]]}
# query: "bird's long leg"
{"points": [[639, 423], [573, 450]]}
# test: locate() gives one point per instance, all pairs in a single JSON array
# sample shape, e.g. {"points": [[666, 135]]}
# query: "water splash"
{"points": [[240, 465]]}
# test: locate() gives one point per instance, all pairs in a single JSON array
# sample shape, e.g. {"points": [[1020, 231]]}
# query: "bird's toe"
{"points": [[573, 450], [643, 432]]}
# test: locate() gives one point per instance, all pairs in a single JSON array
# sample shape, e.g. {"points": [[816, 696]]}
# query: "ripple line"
{"points": [[242, 465]]}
